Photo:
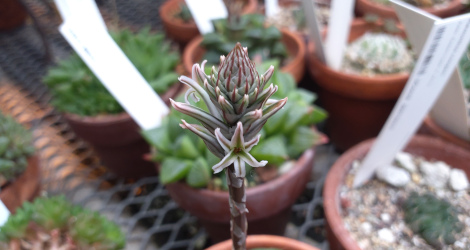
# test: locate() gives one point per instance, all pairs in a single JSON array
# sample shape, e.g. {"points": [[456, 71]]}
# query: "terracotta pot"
{"points": [[12, 14], [269, 204], [24, 188], [427, 147], [358, 106], [369, 6], [193, 53], [431, 127], [117, 140], [182, 32], [266, 241]]}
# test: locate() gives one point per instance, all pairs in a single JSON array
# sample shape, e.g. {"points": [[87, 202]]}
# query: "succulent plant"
{"points": [[264, 42], [54, 223], [378, 53], [432, 218], [239, 105], [77, 90], [465, 68], [15, 148], [183, 156], [184, 13]]}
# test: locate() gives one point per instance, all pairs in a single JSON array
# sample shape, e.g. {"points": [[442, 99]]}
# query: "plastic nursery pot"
{"points": [[387, 11], [193, 53], [117, 140], [269, 204], [425, 146], [24, 188], [183, 32], [431, 127], [266, 241], [12, 14], [358, 106]]}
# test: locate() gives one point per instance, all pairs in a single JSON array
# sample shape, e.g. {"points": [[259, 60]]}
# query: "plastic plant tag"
{"points": [[111, 66], [272, 7], [338, 32], [4, 213], [205, 11], [450, 110], [314, 28], [441, 52], [74, 11]]}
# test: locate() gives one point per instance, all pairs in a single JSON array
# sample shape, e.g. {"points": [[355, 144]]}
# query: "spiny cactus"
{"points": [[54, 223], [378, 53], [239, 106], [15, 148], [432, 218]]}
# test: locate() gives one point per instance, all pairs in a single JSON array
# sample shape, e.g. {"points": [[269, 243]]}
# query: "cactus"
{"points": [[15, 148], [378, 53], [239, 105], [432, 218], [54, 223]]}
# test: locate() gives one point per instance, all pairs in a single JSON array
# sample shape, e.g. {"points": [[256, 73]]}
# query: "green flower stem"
{"points": [[238, 211]]}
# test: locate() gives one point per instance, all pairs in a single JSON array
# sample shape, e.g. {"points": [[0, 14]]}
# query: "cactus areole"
{"points": [[239, 106]]}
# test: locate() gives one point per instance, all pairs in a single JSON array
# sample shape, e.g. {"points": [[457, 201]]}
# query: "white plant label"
{"points": [[341, 15], [4, 214], [443, 49], [449, 111], [111, 66], [75, 11], [204, 12], [314, 28], [272, 7]]}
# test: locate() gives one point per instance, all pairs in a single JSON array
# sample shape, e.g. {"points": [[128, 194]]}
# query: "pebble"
{"points": [[392, 175], [458, 180], [386, 235], [366, 227], [385, 217], [435, 174], [405, 161], [459, 244]]}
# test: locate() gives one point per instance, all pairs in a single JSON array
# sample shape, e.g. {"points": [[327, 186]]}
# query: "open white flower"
{"points": [[237, 152]]}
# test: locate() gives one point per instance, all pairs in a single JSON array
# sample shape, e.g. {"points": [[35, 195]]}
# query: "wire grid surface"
{"points": [[143, 209]]}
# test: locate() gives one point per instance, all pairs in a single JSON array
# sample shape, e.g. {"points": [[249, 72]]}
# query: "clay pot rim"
{"points": [[376, 79], [297, 58], [446, 135], [26, 179], [343, 164], [257, 241], [453, 4], [167, 8]]}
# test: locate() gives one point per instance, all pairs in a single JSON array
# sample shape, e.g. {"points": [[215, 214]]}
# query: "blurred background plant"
{"points": [[15, 148], [75, 89], [264, 42], [54, 223]]}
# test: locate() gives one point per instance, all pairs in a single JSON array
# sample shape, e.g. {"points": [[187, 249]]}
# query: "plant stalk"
{"points": [[238, 211]]}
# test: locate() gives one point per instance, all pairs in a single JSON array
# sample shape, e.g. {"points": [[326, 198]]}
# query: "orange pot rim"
{"points": [[259, 241], [453, 4]]}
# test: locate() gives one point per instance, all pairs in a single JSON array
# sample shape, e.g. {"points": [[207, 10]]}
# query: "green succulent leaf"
{"points": [[200, 173], [272, 149], [174, 169]]}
